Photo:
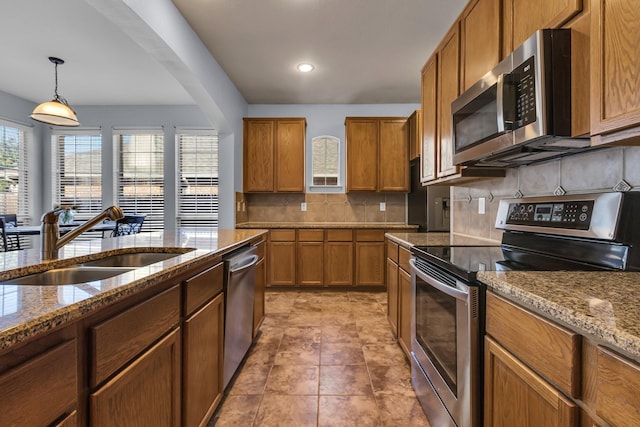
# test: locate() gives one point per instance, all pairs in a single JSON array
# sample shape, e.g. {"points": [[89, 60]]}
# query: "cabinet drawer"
{"points": [[618, 382], [119, 339], [392, 251], [284, 235], [40, 390], [370, 235], [404, 255], [550, 350], [339, 235], [310, 235], [202, 287]]}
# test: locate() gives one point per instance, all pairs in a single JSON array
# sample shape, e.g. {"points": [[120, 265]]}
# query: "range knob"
{"points": [[583, 217]]}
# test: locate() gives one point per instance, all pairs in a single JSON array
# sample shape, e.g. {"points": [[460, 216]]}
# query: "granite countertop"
{"points": [[376, 225], [602, 305], [438, 239], [27, 310]]}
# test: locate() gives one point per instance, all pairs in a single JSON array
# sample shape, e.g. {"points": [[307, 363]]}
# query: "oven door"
{"points": [[445, 346]]}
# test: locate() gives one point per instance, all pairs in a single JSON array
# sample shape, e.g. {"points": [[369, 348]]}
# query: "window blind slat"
{"points": [[198, 179], [140, 178]]}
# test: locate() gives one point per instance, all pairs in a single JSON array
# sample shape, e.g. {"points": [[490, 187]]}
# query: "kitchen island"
{"points": [[143, 346]]}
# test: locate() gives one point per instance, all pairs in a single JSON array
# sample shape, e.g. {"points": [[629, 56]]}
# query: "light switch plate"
{"points": [[481, 205], [303, 206], [383, 206]]}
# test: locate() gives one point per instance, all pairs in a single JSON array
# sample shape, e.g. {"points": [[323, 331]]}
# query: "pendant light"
{"points": [[57, 111]]}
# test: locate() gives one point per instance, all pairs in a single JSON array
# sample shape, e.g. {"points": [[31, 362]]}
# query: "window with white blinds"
{"points": [[77, 161], [197, 193], [140, 176], [15, 146], [326, 161]]}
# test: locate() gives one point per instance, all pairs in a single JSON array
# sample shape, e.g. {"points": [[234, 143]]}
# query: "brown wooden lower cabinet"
{"points": [[42, 389], [146, 393], [258, 302], [514, 395], [310, 263], [338, 266], [202, 362], [404, 311], [618, 388], [392, 295], [282, 263], [369, 264]]}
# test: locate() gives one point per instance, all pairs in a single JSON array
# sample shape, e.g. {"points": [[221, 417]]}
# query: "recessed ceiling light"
{"points": [[305, 67]]}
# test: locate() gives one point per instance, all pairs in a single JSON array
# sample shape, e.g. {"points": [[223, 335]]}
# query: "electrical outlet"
{"points": [[383, 206], [481, 205], [303, 207]]}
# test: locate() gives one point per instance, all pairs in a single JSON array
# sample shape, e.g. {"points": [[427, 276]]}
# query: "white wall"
{"points": [[328, 119]]}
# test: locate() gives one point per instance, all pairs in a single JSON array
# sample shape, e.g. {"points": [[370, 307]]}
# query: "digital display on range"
{"points": [[572, 215]]}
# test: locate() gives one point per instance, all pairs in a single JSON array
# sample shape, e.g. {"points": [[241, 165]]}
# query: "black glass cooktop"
{"points": [[466, 261]]}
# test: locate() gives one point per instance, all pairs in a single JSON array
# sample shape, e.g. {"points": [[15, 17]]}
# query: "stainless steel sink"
{"points": [[139, 259], [67, 276]]}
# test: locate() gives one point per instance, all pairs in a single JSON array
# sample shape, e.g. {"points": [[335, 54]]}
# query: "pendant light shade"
{"points": [[57, 111]]}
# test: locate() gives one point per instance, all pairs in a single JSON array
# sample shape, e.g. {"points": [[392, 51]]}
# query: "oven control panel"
{"points": [[575, 215]]}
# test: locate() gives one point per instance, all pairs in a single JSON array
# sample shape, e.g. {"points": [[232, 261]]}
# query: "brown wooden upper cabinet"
{"points": [[523, 18], [377, 154], [440, 86], [273, 154], [480, 29], [615, 72], [414, 127], [429, 101]]}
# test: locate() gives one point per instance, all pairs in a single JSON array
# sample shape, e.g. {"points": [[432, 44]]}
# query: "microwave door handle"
{"points": [[452, 292], [500, 103]]}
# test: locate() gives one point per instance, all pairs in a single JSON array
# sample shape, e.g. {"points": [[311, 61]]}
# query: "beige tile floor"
{"points": [[323, 358]]}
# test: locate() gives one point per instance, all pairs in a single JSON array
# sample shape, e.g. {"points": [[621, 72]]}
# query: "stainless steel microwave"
{"points": [[520, 112]]}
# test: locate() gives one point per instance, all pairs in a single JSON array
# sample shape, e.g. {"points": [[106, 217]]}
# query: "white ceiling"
{"points": [[365, 51]]}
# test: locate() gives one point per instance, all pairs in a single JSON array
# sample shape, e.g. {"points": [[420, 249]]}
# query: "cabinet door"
{"points": [[258, 302], [405, 309], [415, 134], [202, 363], [370, 263], [481, 35], [282, 263], [392, 295], [258, 155], [523, 18], [41, 389], [517, 396], [146, 393], [615, 67], [429, 120], [362, 154], [338, 264], [310, 263], [289, 153], [393, 164], [448, 91]]}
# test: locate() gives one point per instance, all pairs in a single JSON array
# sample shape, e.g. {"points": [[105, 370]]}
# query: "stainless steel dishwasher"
{"points": [[240, 286]]}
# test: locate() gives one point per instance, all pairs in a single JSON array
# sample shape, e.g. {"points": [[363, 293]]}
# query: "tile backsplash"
{"points": [[362, 208], [595, 171]]}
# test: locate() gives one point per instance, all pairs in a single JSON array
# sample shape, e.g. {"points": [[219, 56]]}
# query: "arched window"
{"points": [[326, 161]]}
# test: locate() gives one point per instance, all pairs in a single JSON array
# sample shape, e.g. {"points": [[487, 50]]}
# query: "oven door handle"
{"points": [[452, 292]]}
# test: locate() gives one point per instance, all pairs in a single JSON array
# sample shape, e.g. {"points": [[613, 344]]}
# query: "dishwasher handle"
{"points": [[244, 264]]}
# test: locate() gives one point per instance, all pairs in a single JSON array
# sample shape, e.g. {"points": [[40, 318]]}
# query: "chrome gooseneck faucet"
{"points": [[50, 240]]}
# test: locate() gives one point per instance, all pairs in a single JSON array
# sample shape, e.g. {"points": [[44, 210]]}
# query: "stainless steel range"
{"points": [[579, 232]]}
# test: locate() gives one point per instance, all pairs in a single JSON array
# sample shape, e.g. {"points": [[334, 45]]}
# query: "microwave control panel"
{"points": [[575, 215], [524, 82]]}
